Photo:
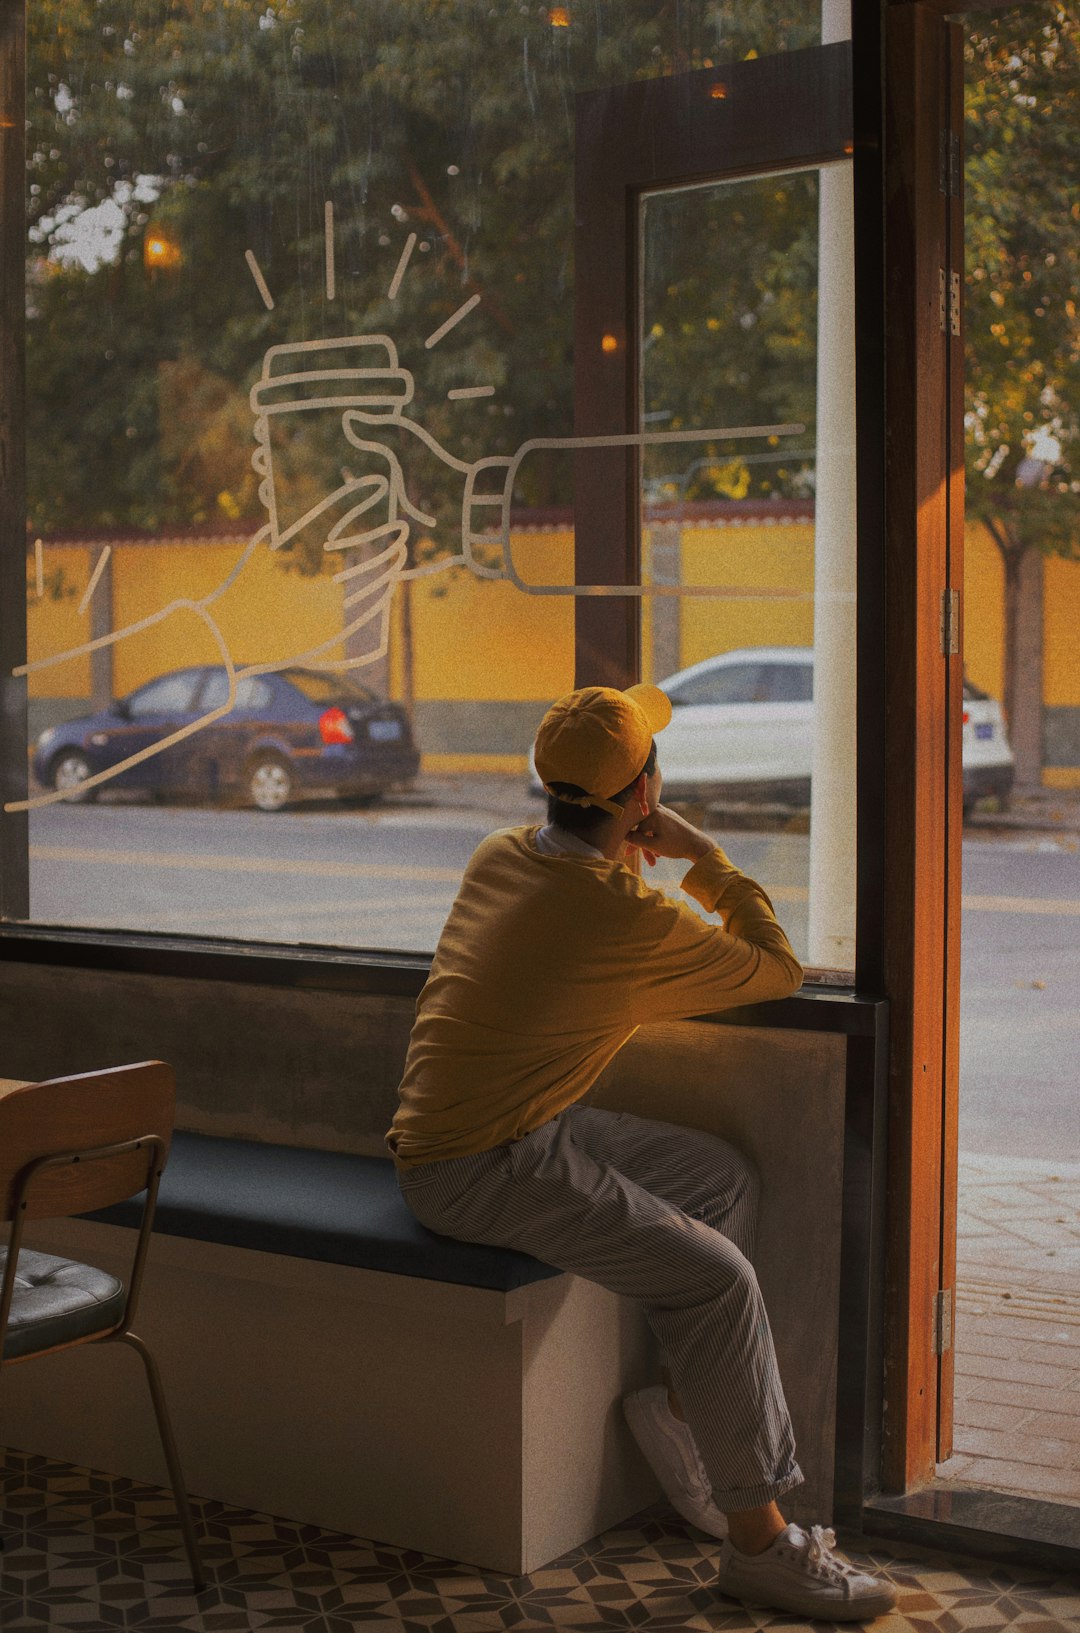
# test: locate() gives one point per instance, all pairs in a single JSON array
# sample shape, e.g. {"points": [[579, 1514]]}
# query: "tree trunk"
{"points": [[408, 663]]}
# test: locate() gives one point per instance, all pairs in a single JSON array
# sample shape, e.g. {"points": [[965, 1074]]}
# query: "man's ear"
{"points": [[641, 793]]}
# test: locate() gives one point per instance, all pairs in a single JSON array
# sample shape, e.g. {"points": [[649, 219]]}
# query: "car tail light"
{"points": [[334, 726], [967, 716]]}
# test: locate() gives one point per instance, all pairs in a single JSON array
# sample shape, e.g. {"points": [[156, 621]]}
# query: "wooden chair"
{"points": [[66, 1147]]}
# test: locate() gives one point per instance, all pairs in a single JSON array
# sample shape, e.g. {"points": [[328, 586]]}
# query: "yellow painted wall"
{"points": [[984, 610], [1061, 611], [484, 639], [769, 559], [267, 614], [481, 639], [54, 623]]}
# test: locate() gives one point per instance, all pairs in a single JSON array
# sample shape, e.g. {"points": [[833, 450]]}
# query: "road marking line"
{"points": [[393, 870], [1019, 904], [242, 864], [284, 910]]}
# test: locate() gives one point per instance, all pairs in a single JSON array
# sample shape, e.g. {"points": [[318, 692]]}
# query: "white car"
{"points": [[987, 757], [742, 726]]}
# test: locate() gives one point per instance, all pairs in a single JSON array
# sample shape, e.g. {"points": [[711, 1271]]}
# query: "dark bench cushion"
{"points": [[313, 1205]]}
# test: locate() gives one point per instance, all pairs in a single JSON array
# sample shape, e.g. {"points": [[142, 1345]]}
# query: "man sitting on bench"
{"points": [[553, 954]]}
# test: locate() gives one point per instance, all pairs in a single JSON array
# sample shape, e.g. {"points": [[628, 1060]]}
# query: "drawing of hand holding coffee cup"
{"points": [[357, 385]]}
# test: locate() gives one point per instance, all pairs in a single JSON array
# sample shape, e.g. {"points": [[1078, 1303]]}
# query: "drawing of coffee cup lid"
{"points": [[355, 371]]}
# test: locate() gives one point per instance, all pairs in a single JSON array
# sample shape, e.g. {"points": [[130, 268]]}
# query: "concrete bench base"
{"points": [[477, 1425]]}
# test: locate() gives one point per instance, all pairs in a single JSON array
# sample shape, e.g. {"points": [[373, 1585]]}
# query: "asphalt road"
{"points": [[327, 874]]}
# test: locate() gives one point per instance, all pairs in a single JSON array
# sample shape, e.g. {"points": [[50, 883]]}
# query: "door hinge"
{"points": [[941, 301], [950, 622], [949, 164], [943, 1322], [954, 304]]}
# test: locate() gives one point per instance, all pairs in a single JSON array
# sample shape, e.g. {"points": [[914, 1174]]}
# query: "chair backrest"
{"points": [[82, 1114]]}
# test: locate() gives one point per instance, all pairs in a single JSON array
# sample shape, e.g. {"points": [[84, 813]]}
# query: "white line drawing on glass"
{"points": [[452, 321], [39, 568], [395, 282], [88, 593], [260, 281], [461, 394], [359, 379], [328, 231]]}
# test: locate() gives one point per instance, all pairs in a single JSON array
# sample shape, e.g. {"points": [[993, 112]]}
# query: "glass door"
{"points": [[715, 244], [748, 534]]}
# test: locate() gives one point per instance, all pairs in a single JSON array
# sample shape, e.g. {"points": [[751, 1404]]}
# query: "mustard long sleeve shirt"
{"points": [[547, 965]]}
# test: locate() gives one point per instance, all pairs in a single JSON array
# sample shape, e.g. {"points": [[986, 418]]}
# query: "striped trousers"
{"points": [[660, 1214]]}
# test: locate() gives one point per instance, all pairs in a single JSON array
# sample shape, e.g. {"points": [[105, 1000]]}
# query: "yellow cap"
{"points": [[599, 739]]}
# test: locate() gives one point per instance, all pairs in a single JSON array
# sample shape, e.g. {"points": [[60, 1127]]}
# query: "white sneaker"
{"points": [[799, 1573], [670, 1451]]}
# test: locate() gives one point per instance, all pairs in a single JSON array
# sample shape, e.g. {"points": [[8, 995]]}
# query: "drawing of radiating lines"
{"points": [[460, 394], [328, 233], [39, 567], [260, 281], [452, 321], [403, 261], [94, 578]]}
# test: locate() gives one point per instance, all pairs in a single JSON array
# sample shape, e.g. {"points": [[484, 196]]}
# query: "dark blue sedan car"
{"points": [[288, 734]]}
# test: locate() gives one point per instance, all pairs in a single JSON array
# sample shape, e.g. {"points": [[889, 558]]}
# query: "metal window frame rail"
{"points": [[14, 828]]}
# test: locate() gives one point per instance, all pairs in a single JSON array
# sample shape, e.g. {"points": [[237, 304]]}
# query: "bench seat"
{"points": [[322, 1205], [330, 1359]]}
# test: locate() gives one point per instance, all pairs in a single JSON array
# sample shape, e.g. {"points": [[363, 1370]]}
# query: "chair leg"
{"points": [[172, 1458]]}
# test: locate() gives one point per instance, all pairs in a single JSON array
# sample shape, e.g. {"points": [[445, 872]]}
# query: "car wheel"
{"points": [[269, 782], [68, 771]]}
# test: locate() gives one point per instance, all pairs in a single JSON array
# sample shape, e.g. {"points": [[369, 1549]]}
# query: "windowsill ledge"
{"points": [[824, 1007]]}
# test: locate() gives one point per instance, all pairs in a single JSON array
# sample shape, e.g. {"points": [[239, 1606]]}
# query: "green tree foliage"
{"points": [[1022, 174], [730, 319]]}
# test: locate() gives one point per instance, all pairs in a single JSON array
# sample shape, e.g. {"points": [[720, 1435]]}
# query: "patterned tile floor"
{"points": [[94, 1553]]}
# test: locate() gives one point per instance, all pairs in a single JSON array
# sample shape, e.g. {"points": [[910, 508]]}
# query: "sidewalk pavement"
{"points": [[1017, 1328], [1033, 810]]}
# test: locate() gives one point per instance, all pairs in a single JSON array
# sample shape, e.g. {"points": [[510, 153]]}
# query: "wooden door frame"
{"points": [[14, 825], [910, 520], [659, 133], [924, 474]]}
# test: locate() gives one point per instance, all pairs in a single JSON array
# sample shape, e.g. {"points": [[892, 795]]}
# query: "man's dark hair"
{"points": [[584, 820]]}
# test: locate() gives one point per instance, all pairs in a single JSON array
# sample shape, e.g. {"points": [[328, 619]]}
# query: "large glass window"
{"points": [[749, 539], [302, 302]]}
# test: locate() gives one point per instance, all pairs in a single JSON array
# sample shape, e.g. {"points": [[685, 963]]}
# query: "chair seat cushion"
{"points": [[58, 1300], [328, 1205]]}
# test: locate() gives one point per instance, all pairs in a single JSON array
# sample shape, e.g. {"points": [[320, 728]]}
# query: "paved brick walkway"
{"points": [[1017, 1425]]}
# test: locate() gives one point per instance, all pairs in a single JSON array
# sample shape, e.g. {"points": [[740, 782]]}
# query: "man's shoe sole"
{"points": [[844, 1610]]}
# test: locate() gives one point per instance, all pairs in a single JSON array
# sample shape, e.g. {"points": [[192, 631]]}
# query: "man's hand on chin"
{"points": [[664, 833]]}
